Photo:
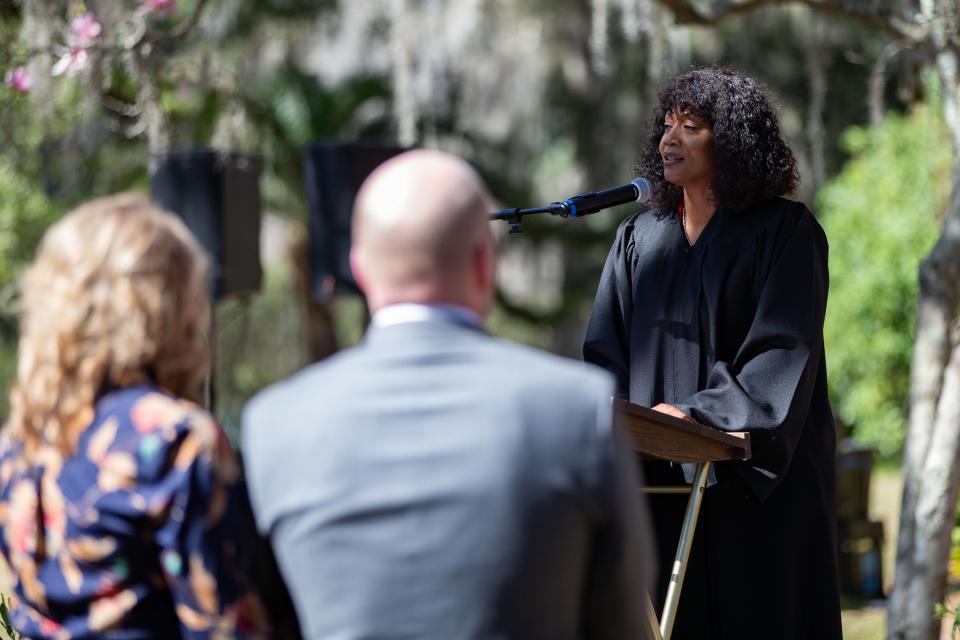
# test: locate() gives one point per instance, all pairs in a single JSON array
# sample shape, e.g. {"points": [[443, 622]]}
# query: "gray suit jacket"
{"points": [[435, 482]]}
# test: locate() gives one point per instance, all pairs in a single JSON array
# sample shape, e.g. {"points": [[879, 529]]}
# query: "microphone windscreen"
{"points": [[644, 189]]}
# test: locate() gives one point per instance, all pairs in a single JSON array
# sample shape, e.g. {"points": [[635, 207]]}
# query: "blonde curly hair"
{"points": [[117, 295]]}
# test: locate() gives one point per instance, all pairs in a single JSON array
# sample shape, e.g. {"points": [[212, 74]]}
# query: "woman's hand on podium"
{"points": [[671, 410]]}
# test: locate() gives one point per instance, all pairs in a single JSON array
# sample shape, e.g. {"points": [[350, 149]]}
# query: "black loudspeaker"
{"points": [[218, 197], [333, 173]]}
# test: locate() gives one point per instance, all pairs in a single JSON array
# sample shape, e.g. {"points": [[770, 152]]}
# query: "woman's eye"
{"points": [[690, 127]]}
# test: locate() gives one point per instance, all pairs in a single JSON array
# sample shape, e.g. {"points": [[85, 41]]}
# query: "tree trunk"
{"points": [[878, 79], [153, 117], [401, 48], [38, 30], [931, 466]]}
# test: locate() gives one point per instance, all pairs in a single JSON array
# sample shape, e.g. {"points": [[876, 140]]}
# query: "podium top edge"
{"points": [[739, 440]]}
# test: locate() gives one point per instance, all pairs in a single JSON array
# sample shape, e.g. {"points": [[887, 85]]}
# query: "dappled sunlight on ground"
{"points": [[868, 622]]}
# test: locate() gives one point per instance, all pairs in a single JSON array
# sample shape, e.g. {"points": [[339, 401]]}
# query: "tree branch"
{"points": [[877, 80], [182, 31], [685, 12], [145, 38]]}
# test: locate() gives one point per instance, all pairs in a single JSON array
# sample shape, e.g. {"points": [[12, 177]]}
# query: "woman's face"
{"points": [[686, 147]]}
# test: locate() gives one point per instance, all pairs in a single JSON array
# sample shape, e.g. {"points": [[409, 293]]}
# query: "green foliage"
{"points": [[5, 619], [25, 212], [881, 216], [8, 370], [940, 610], [259, 341]]}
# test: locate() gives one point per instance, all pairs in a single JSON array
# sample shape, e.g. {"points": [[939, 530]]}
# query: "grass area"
{"points": [[868, 621]]}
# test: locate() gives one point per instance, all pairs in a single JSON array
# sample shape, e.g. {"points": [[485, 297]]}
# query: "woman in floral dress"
{"points": [[120, 498]]}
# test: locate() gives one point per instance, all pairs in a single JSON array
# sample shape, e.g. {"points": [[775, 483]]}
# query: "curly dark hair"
{"points": [[751, 161]]}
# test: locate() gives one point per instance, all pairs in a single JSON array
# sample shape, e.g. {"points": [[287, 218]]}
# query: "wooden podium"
{"points": [[661, 437]]}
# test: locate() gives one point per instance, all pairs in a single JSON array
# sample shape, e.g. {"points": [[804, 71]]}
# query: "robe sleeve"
{"points": [[607, 340], [768, 386]]}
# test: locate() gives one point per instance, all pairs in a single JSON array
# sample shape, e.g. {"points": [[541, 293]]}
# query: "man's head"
{"points": [[421, 234]]}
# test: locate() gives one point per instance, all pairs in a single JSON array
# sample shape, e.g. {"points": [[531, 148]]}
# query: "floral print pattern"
{"points": [[142, 529]]}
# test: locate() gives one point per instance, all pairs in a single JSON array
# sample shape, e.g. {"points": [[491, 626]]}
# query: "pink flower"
{"points": [[160, 6], [72, 62], [18, 79], [50, 626], [85, 29]]}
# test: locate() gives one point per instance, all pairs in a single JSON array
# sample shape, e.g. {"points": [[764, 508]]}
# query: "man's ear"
{"points": [[485, 265], [357, 268]]}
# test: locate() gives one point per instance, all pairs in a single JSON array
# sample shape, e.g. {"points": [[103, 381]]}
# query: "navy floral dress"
{"points": [[139, 534]]}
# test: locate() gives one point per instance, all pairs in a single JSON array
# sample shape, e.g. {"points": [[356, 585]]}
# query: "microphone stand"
{"points": [[637, 191], [514, 216]]}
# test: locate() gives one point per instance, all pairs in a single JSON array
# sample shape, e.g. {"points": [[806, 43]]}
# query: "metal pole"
{"points": [[683, 549], [653, 631]]}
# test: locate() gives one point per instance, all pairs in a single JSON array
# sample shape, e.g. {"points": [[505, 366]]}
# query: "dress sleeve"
{"points": [[607, 340], [767, 388], [201, 528]]}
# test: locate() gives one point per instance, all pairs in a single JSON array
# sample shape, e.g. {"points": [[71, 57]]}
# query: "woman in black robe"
{"points": [[711, 308]]}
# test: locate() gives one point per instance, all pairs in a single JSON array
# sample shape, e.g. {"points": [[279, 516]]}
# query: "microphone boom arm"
{"points": [[514, 216], [586, 203]]}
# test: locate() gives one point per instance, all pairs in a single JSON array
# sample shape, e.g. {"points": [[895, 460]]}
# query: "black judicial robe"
{"points": [[730, 331]]}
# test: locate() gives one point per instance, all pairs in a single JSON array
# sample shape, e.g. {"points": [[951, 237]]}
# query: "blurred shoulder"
{"points": [[563, 406], [772, 222], [284, 395], [781, 211], [550, 373], [280, 412], [153, 429], [792, 217], [642, 223], [643, 232], [148, 410]]}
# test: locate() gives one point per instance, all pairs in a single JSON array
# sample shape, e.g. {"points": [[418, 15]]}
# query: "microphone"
{"points": [[637, 190]]}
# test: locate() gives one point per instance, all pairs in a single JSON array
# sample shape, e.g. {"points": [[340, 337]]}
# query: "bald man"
{"points": [[435, 482]]}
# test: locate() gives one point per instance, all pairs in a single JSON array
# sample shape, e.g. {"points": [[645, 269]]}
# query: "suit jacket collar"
{"points": [[421, 330]]}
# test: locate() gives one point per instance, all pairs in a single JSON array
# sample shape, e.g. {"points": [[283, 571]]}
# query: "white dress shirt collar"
{"points": [[415, 312]]}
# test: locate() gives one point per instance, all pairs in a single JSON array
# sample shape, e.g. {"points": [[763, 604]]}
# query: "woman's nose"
{"points": [[667, 139]]}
